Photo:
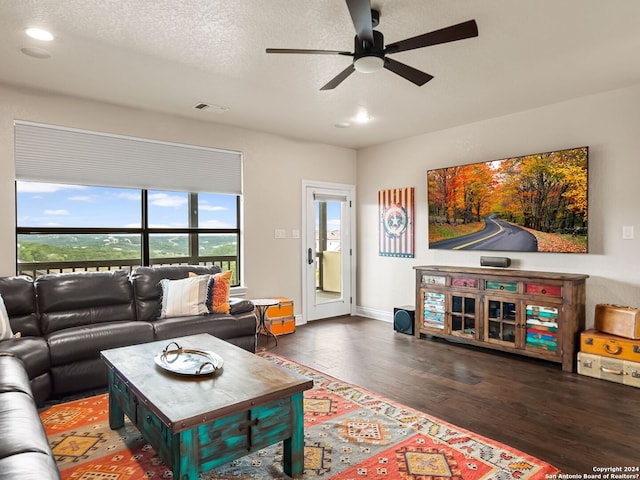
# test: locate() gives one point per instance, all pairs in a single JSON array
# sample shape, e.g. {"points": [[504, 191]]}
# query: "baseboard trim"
{"points": [[383, 315], [372, 313]]}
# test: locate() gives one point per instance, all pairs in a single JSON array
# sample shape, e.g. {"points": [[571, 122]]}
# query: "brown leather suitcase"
{"points": [[605, 344], [621, 321], [612, 369]]}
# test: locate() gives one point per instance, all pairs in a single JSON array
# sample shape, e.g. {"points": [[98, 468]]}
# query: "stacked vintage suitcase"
{"points": [[280, 318], [612, 350]]}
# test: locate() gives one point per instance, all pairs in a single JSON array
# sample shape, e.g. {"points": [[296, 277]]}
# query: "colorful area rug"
{"points": [[350, 433]]}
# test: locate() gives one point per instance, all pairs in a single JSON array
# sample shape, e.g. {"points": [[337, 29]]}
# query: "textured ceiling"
{"points": [[168, 55]]}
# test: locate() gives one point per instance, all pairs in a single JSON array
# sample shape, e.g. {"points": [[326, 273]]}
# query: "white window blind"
{"points": [[321, 197], [46, 153]]}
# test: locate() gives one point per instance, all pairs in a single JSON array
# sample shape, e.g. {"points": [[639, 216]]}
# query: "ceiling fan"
{"points": [[370, 53]]}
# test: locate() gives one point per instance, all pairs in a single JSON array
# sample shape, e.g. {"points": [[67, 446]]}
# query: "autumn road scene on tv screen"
{"points": [[533, 203]]}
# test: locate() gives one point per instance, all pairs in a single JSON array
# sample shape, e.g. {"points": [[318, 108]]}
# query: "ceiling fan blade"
{"points": [[360, 11], [338, 79], [405, 71], [460, 31], [315, 52]]}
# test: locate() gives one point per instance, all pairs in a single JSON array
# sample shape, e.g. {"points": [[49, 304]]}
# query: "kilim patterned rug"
{"points": [[350, 433]]}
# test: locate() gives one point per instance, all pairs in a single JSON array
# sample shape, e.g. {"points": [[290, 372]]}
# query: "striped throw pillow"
{"points": [[185, 297]]}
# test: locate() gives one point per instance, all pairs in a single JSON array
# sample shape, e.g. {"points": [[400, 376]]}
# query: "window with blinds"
{"points": [[91, 201]]}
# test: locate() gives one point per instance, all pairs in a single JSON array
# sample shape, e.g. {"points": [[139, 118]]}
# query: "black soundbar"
{"points": [[495, 262]]}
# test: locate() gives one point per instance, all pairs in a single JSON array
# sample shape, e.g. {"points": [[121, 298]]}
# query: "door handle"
{"points": [[309, 256]]}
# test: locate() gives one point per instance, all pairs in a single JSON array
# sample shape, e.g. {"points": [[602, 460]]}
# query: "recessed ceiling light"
{"points": [[36, 52], [342, 125], [39, 34], [362, 117]]}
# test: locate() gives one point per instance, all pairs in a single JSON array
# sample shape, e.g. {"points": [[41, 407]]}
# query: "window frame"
{"points": [[193, 232]]}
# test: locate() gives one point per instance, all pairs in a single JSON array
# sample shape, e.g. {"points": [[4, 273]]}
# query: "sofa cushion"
{"points": [[217, 324], [84, 342], [41, 388], [5, 326], [20, 425], [19, 297], [147, 289], [184, 297], [67, 300], [13, 377], [33, 351], [79, 376], [29, 466]]}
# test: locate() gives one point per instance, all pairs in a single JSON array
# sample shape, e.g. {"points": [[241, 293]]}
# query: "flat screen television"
{"points": [[532, 203]]}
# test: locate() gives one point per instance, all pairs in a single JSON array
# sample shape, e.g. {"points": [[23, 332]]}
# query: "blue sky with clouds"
{"points": [[56, 205]]}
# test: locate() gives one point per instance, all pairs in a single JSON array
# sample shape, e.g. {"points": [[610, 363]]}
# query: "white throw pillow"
{"points": [[185, 297], [5, 326]]}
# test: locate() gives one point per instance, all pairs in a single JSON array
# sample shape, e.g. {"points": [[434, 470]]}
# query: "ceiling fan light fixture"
{"points": [[369, 64]]}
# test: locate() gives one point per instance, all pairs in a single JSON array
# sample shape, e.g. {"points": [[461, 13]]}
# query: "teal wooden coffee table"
{"points": [[196, 422]]}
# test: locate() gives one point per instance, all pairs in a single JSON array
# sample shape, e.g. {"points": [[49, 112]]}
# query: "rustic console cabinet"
{"points": [[538, 314]]}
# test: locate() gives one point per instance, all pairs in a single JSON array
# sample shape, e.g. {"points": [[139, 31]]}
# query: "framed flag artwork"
{"points": [[396, 236]]}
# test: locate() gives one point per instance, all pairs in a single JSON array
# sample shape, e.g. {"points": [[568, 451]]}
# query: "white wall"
{"points": [[609, 123], [274, 168]]}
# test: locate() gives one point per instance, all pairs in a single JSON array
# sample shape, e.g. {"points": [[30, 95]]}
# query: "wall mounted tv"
{"points": [[532, 203]]}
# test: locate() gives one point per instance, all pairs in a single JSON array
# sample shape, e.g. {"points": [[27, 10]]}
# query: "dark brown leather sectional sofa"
{"points": [[65, 320], [24, 450]]}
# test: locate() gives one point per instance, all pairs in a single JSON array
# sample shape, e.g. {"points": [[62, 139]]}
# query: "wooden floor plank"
{"points": [[571, 421]]}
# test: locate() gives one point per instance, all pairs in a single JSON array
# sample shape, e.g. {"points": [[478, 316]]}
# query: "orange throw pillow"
{"points": [[218, 292]]}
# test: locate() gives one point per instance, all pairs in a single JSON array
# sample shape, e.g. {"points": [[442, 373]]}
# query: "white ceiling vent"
{"points": [[212, 108]]}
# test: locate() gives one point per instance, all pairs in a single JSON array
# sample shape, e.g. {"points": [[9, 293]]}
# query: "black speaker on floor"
{"points": [[404, 319]]}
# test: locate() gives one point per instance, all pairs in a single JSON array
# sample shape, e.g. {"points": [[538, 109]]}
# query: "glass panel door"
{"points": [[463, 315], [328, 258], [501, 321]]}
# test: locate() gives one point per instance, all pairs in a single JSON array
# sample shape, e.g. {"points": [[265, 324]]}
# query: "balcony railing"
{"points": [[34, 269]]}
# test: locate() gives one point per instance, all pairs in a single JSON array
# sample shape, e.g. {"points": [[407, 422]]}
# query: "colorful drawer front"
{"points": [[621, 321], [433, 310], [549, 290], [464, 282], [611, 369], [502, 286], [542, 327], [598, 343], [433, 280]]}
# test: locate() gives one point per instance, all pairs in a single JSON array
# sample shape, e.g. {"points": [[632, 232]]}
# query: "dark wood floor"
{"points": [[569, 420]]}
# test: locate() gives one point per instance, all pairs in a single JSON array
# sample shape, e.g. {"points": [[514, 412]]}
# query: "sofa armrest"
{"points": [[239, 305]]}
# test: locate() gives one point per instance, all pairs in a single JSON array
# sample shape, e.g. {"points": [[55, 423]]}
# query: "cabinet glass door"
{"points": [[501, 321], [434, 310], [463, 315]]}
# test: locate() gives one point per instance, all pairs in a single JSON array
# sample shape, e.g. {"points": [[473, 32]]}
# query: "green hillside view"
{"points": [[66, 248]]}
